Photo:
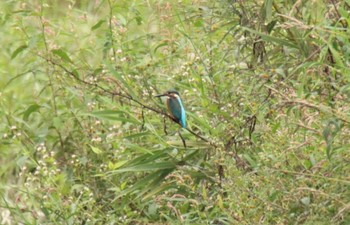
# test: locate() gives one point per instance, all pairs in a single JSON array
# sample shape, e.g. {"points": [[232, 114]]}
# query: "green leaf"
{"points": [[145, 183], [75, 73], [148, 167], [157, 189], [329, 133], [251, 161], [30, 110], [121, 19], [154, 186], [62, 54], [114, 166], [267, 10], [271, 25], [336, 55], [97, 25], [138, 17], [306, 201], [198, 23], [139, 148], [96, 150], [270, 38], [140, 184], [149, 158], [164, 43], [18, 50], [57, 122]]}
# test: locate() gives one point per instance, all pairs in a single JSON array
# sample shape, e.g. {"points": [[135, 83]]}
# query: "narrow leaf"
{"points": [[164, 43], [18, 50], [97, 25], [96, 150], [139, 184], [114, 166], [30, 110], [270, 38], [148, 167], [268, 10], [337, 57], [62, 54]]}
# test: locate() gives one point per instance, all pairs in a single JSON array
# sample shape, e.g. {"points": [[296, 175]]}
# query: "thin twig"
{"points": [[182, 139]]}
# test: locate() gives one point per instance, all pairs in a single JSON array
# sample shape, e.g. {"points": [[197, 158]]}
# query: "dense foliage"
{"points": [[265, 85]]}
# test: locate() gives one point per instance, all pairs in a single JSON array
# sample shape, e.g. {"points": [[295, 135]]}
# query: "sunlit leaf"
{"points": [[95, 149], [114, 166]]}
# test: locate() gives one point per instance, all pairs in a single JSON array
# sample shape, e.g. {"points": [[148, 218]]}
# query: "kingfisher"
{"points": [[175, 106]]}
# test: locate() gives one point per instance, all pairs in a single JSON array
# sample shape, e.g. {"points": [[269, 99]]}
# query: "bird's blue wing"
{"points": [[177, 110]]}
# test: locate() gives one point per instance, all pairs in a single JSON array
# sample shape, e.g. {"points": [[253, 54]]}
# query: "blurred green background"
{"points": [[264, 83]]}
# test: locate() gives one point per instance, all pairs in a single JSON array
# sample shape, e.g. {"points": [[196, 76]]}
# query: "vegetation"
{"points": [[265, 85]]}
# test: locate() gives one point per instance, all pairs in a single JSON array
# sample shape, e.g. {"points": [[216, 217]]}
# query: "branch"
{"points": [[128, 97]]}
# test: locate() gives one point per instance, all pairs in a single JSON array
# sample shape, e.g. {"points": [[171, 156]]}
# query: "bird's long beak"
{"points": [[161, 95]]}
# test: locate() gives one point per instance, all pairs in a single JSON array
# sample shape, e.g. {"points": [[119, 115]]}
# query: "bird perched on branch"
{"points": [[175, 106]]}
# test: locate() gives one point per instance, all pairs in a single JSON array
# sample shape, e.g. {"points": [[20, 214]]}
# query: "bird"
{"points": [[175, 106]]}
